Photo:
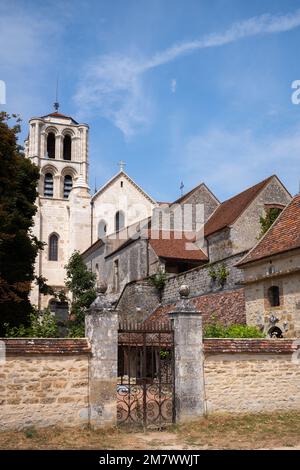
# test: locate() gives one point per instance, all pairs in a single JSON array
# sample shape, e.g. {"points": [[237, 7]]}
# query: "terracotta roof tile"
{"points": [[284, 235], [231, 209], [176, 248], [52, 346]]}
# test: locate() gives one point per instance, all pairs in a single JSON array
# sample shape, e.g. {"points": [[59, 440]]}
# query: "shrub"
{"points": [[217, 330], [41, 325], [159, 279]]}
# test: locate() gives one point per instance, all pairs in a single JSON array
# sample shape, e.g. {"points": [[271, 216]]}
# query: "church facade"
{"points": [[68, 217]]}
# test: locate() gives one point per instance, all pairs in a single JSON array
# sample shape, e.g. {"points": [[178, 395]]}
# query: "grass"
{"points": [[219, 431]]}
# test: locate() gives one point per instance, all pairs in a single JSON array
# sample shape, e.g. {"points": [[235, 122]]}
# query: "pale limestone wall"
{"points": [[287, 277], [68, 218], [251, 383], [243, 233], [43, 391], [127, 198], [246, 229]]}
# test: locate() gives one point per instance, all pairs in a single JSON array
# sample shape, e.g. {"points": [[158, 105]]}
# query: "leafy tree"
{"points": [[18, 247], [81, 282], [267, 220]]}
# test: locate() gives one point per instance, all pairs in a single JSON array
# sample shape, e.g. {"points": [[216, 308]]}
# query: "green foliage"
{"points": [[218, 274], [164, 354], [217, 330], [222, 274], [31, 432], [268, 220], [76, 330], [159, 279], [81, 283], [212, 273], [41, 325], [18, 247]]}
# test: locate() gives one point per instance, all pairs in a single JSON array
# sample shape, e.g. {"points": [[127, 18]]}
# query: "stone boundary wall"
{"points": [[44, 382], [200, 282], [250, 376]]}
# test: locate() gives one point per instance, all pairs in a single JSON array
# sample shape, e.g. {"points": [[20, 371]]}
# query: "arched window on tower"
{"points": [[102, 229], [119, 221], [51, 145], [53, 247], [67, 147], [48, 185], [68, 184]]}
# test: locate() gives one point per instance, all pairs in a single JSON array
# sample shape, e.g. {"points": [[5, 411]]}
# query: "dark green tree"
{"points": [[18, 247], [268, 220], [81, 282]]}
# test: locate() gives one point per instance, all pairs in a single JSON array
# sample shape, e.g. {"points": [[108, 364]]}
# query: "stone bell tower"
{"points": [[58, 145]]}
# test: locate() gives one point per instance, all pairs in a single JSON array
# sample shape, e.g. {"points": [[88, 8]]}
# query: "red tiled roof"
{"points": [[227, 307], [176, 248], [250, 345], [284, 235], [60, 115], [231, 209], [53, 346]]}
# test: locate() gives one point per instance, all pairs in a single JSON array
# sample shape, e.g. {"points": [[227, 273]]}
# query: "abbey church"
{"points": [[125, 237]]}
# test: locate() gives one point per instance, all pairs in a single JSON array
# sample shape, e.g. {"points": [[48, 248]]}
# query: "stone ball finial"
{"points": [[101, 287], [184, 290]]}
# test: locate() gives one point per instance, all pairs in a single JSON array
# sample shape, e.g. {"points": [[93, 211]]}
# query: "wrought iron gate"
{"points": [[145, 391]]}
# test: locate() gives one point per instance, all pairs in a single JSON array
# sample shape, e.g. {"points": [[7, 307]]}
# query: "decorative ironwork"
{"points": [[145, 391]]}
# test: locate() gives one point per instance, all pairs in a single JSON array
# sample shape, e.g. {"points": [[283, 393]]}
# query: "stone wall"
{"points": [[251, 376], [285, 275], [137, 301], [44, 383], [200, 281]]}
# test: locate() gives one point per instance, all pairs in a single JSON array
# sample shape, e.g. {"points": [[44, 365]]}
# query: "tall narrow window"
{"points": [[68, 184], [274, 296], [51, 145], [67, 147], [102, 229], [48, 185], [53, 247], [116, 275], [119, 221]]}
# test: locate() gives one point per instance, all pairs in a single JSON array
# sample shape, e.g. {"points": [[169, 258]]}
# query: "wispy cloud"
{"points": [[235, 159], [173, 85], [113, 85]]}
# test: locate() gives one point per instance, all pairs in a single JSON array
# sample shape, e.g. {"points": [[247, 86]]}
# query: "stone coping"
{"points": [[49, 346], [253, 345]]}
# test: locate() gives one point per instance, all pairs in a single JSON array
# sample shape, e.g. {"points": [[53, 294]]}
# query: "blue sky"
{"points": [[192, 90]]}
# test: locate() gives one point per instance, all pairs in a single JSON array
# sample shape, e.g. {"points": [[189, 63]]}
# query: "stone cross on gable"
{"points": [[122, 165]]}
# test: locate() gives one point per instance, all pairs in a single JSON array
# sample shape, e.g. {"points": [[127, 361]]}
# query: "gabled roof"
{"points": [[283, 235], [176, 248], [168, 248], [227, 213], [60, 116], [192, 191], [123, 175]]}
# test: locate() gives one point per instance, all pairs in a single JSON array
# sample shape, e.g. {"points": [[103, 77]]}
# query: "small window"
{"points": [[53, 247], [48, 185], [68, 184], [274, 296], [51, 145], [102, 228], [116, 275], [121, 184], [67, 147], [119, 221]]}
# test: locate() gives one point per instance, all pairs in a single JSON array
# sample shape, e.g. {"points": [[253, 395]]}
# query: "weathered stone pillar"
{"points": [[101, 328], [188, 349]]}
